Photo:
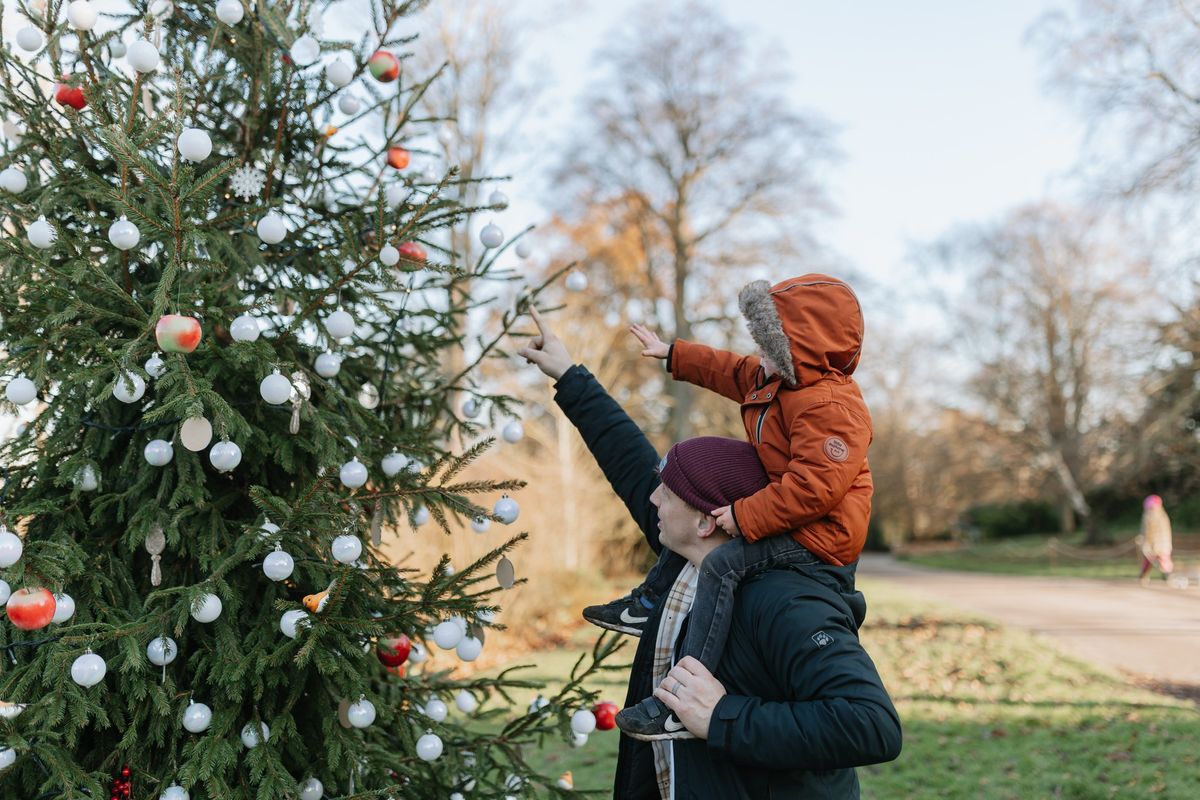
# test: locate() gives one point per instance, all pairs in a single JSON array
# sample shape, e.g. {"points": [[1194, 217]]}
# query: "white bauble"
{"points": [[11, 548], [230, 11], [14, 180], [312, 789], [5, 592], [460, 622], [88, 669], [506, 510], [129, 387], [197, 717], [20, 391], [158, 452], [513, 432], [291, 622], [86, 479], [524, 249], [481, 524], [82, 15], [174, 792], [142, 56], [123, 234], [361, 714], [278, 564], [436, 710], [8, 757], [267, 529], [583, 721], [447, 634], [470, 408], [465, 701], [224, 456], [162, 651], [429, 747], [339, 324], [498, 200], [155, 366], [393, 462], [388, 255], [271, 228], [393, 195], [244, 328], [64, 608], [29, 39], [353, 474], [346, 548], [116, 48], [491, 236], [513, 783], [579, 739], [252, 737], [328, 365], [206, 608], [577, 281], [368, 396], [275, 388], [420, 516], [537, 704], [41, 233], [305, 50], [194, 144], [348, 104], [469, 648], [418, 654], [339, 72]]}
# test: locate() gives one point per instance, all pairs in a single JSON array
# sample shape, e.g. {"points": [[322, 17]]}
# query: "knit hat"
{"points": [[709, 472]]}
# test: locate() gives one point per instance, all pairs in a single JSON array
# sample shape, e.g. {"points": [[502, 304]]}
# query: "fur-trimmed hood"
{"points": [[808, 327]]}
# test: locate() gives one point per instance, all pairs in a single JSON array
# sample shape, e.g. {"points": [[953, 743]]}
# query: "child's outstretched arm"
{"points": [[728, 374]]}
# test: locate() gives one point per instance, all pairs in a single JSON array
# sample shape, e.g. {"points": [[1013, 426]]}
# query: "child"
{"points": [[810, 426], [1156, 538]]}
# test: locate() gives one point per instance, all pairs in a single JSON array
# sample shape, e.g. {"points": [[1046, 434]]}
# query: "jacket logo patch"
{"points": [[836, 449], [822, 638]]}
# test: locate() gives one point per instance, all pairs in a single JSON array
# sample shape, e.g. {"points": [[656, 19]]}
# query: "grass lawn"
{"points": [[1035, 555], [987, 712]]}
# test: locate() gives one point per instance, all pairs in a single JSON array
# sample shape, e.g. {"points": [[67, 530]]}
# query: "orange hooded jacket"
{"points": [[809, 422]]}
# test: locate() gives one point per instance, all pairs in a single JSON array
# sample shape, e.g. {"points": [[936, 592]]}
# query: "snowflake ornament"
{"points": [[247, 182]]}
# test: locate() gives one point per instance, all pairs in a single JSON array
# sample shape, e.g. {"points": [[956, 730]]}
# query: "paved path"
{"points": [[1150, 632]]}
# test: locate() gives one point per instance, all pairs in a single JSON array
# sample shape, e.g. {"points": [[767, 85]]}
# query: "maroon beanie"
{"points": [[708, 472]]}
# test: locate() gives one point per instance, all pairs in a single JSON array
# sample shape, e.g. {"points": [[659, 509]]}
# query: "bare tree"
{"points": [[1049, 317], [688, 150]]}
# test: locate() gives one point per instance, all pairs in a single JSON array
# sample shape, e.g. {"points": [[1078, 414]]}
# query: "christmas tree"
{"points": [[225, 323]]}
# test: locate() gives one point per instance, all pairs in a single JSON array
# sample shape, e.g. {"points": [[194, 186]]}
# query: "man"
{"points": [[795, 703]]}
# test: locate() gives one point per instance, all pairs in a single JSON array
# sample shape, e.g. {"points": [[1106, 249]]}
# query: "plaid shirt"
{"points": [[675, 611]]}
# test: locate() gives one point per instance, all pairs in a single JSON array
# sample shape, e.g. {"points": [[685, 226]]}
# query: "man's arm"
{"points": [[838, 714], [623, 452], [728, 374]]}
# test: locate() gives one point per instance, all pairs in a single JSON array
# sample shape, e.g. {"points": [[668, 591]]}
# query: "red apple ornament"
{"points": [[398, 157], [30, 609], [66, 95], [393, 652], [413, 252], [177, 334], [384, 66], [606, 715]]}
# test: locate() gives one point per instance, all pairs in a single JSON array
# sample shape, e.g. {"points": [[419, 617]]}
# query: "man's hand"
{"points": [[652, 346], [692, 692], [546, 350], [725, 520]]}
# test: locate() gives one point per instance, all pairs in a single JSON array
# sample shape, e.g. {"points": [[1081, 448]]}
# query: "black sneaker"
{"points": [[626, 615], [652, 721]]}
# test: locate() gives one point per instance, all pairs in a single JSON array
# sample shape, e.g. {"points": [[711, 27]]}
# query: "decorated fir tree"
{"points": [[224, 324]]}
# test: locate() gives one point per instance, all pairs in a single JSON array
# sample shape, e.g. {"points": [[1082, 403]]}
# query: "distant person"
{"points": [[809, 425], [1156, 538]]}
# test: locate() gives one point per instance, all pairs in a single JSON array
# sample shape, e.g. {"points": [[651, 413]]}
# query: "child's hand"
{"points": [[652, 346], [725, 520]]}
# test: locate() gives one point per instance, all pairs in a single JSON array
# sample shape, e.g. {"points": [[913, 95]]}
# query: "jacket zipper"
{"points": [[758, 428]]}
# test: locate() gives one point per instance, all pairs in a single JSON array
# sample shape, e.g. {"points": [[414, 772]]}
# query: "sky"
{"points": [[942, 111]]}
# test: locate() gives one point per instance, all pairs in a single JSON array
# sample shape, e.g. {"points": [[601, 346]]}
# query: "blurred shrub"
{"points": [[1005, 520]]}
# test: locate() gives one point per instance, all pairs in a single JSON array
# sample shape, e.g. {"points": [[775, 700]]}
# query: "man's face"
{"points": [[678, 523]]}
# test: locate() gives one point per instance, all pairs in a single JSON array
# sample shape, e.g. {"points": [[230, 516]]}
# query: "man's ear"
{"points": [[706, 525]]}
